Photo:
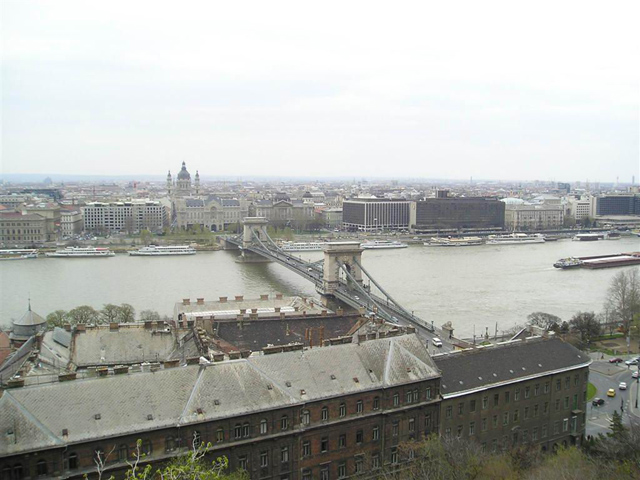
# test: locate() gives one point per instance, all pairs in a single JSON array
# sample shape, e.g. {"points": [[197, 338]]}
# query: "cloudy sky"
{"points": [[503, 90]]}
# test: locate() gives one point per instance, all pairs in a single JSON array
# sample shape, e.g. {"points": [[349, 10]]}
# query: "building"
{"points": [[71, 222], [296, 414], [331, 217], [618, 205], [210, 213], [22, 230], [182, 186], [51, 213], [127, 216], [530, 392], [580, 207], [373, 214], [281, 211], [533, 217], [26, 327], [458, 213]]}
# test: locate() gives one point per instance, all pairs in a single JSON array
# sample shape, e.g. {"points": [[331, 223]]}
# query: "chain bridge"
{"points": [[340, 275]]}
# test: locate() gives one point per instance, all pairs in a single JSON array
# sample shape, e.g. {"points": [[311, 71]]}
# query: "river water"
{"points": [[473, 287]]}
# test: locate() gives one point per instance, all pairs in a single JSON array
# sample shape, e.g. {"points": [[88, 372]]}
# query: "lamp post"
{"points": [[638, 384]]}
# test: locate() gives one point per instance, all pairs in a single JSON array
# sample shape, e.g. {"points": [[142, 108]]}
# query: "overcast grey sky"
{"points": [[543, 90]]}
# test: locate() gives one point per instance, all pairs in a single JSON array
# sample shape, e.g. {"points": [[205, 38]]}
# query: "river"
{"points": [[473, 287]]}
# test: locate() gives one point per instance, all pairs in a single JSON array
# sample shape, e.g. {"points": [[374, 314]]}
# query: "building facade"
{"points": [[533, 217], [71, 222], [373, 214], [211, 213], [457, 213], [127, 216], [618, 205], [18, 229]]}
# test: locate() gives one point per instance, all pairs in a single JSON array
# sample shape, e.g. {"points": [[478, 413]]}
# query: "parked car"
{"points": [[436, 342], [633, 361], [616, 360], [596, 402], [622, 386], [611, 392]]}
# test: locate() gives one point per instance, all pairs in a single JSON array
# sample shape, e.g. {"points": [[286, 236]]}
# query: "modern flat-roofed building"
{"points": [[457, 213], [618, 205], [373, 214], [126, 216]]}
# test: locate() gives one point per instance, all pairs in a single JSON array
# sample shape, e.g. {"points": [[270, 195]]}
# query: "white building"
{"points": [[70, 222], [126, 216], [533, 217], [580, 207]]}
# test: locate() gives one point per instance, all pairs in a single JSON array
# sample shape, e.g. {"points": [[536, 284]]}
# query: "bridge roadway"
{"points": [[363, 298]]}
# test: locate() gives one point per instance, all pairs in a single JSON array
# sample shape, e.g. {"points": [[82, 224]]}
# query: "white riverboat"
{"points": [[302, 246], [383, 244], [81, 252], [454, 242], [157, 251], [18, 254], [515, 239]]}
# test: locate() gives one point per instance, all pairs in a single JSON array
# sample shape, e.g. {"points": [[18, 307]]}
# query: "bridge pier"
{"points": [[252, 225], [335, 255]]}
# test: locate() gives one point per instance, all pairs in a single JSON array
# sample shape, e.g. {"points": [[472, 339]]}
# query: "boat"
{"points": [[570, 262], [383, 244], [18, 254], [454, 242], [156, 251], [587, 237], [81, 252], [302, 246], [515, 239], [612, 236]]}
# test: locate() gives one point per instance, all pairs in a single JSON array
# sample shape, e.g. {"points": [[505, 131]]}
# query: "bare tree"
{"points": [[544, 320], [623, 300], [586, 324]]}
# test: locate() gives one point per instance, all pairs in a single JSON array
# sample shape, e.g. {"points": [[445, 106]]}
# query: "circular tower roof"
{"points": [[184, 174], [30, 319]]}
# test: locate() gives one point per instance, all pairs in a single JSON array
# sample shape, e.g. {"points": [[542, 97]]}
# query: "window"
{"points": [[566, 402], [342, 440], [484, 424], [237, 431], [545, 408], [375, 461], [359, 436], [245, 430], [306, 474], [505, 418], [556, 428], [496, 399], [73, 461], [428, 393], [567, 382], [516, 414], [394, 455], [516, 395], [427, 422], [447, 431], [507, 397], [147, 447], [169, 444], [534, 434], [342, 470], [412, 424], [324, 444], [324, 473], [526, 412], [343, 410], [416, 395], [543, 431], [546, 387], [409, 396], [557, 404], [376, 403], [359, 406], [242, 462], [284, 454], [494, 445], [565, 425], [306, 448], [376, 433], [41, 468], [535, 410], [460, 408], [495, 421], [395, 428], [558, 385], [459, 431], [324, 414], [396, 399], [220, 434], [536, 390], [197, 439], [472, 428], [264, 459], [575, 401], [472, 406], [449, 412], [305, 418], [264, 426], [485, 402], [359, 464], [284, 423]]}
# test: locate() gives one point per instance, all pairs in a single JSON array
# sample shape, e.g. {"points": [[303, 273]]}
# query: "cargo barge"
{"points": [[600, 261]]}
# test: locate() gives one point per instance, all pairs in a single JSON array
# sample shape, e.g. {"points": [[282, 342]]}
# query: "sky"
{"points": [[546, 90]]}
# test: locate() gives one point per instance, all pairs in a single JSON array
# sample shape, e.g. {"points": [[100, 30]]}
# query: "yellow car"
{"points": [[611, 392]]}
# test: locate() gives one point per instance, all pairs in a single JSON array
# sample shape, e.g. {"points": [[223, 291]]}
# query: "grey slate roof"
{"points": [[488, 366], [30, 318], [37, 414], [194, 202], [61, 336]]}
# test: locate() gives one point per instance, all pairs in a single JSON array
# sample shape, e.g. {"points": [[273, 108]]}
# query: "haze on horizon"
{"points": [[498, 89]]}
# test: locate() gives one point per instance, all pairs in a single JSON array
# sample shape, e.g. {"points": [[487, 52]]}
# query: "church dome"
{"points": [[184, 174]]}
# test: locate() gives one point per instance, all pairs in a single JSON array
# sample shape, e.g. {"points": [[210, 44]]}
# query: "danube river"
{"points": [[473, 287]]}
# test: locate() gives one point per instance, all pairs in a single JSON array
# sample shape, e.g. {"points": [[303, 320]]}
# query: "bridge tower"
{"points": [[337, 254], [253, 225]]}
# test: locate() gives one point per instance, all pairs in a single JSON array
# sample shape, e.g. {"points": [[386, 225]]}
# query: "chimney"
{"points": [[67, 327], [114, 326], [239, 298], [264, 297], [278, 296], [200, 301], [186, 301], [223, 299]]}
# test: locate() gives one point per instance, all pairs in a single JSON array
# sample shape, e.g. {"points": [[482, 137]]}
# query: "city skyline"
{"points": [[271, 91]]}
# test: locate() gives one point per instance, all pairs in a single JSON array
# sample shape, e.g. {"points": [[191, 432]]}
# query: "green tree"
{"points": [[618, 430], [57, 318], [146, 236], [586, 324], [126, 313], [84, 314]]}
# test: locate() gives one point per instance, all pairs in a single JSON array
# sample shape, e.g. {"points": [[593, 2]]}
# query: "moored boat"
{"points": [[302, 246], [454, 242], [18, 254], [156, 251], [81, 252], [383, 244], [515, 239]]}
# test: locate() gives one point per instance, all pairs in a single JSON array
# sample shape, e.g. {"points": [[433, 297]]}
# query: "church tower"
{"points": [[197, 183], [183, 187], [169, 183]]}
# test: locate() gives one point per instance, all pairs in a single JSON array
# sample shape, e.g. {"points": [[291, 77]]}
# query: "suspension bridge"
{"points": [[340, 275]]}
